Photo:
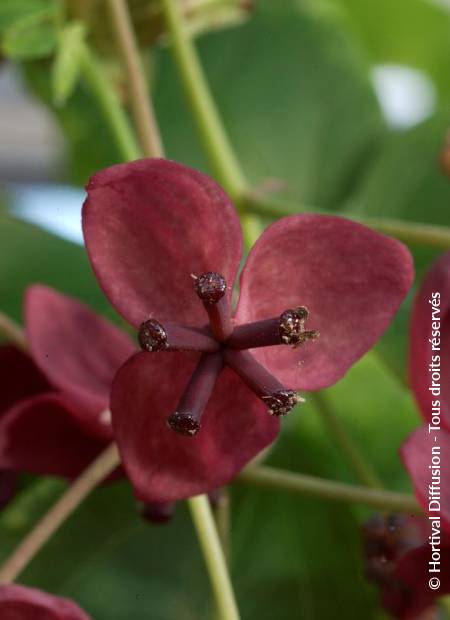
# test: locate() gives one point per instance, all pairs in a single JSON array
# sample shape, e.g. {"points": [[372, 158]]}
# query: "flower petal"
{"points": [[78, 351], [21, 603], [20, 377], [417, 454], [40, 435], [437, 280], [164, 466], [351, 279], [148, 225], [413, 571]]}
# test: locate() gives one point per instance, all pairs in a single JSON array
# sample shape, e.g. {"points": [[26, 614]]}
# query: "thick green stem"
{"points": [[413, 233], [214, 557], [348, 448], [216, 143], [110, 105], [272, 478]]}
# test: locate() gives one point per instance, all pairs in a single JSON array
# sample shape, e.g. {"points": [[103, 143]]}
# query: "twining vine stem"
{"points": [[141, 101], [89, 479], [272, 478]]}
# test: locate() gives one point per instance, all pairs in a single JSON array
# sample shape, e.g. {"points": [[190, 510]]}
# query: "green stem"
{"points": [[141, 102], [351, 452], [222, 515], [217, 146], [414, 233], [12, 332], [272, 478], [110, 105], [214, 556]]}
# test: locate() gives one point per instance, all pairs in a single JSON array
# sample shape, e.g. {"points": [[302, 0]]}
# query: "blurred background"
{"points": [[347, 104]]}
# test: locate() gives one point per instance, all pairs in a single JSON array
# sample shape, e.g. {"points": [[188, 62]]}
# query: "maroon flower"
{"points": [[152, 224], [53, 413], [405, 589], [430, 326], [397, 553], [21, 603]]}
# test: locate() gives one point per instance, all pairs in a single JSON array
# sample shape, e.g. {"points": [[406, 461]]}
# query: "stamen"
{"points": [[288, 328], [211, 288], [153, 336], [186, 420], [279, 400], [280, 403]]}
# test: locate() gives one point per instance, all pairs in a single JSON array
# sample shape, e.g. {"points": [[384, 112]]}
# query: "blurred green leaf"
{"points": [[293, 90], [408, 32], [13, 11], [29, 255], [33, 36], [66, 65], [405, 181]]}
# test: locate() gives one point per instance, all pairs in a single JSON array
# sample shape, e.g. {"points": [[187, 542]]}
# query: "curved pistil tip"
{"points": [[152, 336], [210, 287], [184, 424]]}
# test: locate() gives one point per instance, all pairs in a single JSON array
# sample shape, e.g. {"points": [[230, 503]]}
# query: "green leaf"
{"points": [[295, 97], [13, 11], [33, 36], [66, 65], [408, 32], [29, 255], [405, 181]]}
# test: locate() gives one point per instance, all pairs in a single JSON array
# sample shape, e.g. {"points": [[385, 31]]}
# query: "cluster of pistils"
{"points": [[288, 329], [211, 288], [220, 345], [292, 327], [282, 402], [153, 336], [279, 400]]}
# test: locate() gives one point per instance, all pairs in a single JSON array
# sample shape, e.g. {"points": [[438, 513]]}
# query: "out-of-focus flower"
{"points": [[54, 409], [399, 551], [426, 453], [152, 224], [21, 603]]}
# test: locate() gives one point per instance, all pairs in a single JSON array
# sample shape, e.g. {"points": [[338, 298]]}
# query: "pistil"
{"points": [[186, 420], [279, 400], [211, 287], [288, 328], [153, 336]]}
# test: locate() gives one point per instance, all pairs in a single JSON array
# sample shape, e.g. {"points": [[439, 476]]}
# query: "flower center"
{"points": [[223, 344]]}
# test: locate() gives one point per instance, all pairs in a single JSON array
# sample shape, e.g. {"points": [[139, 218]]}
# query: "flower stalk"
{"points": [[272, 478], [110, 105], [411, 233], [221, 155], [90, 478], [214, 556], [141, 103]]}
